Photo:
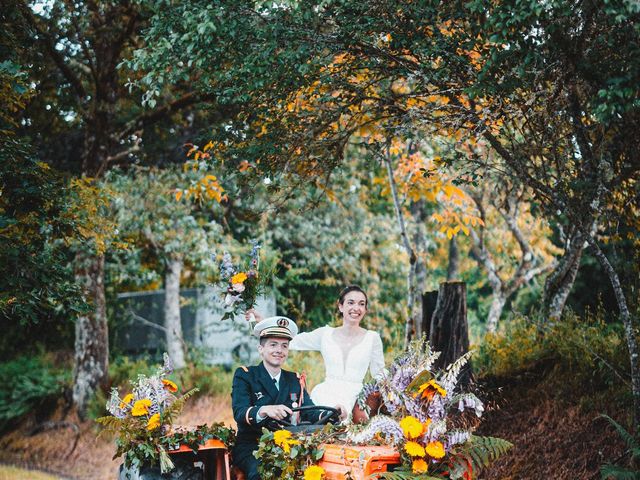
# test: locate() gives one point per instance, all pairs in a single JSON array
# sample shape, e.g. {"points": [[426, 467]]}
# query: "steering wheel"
{"points": [[332, 416]]}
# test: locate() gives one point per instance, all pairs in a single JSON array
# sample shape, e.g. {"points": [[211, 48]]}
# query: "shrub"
{"points": [[33, 384], [592, 350]]}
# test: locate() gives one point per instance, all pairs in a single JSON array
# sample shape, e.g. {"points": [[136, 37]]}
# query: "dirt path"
{"points": [[91, 458], [554, 436]]}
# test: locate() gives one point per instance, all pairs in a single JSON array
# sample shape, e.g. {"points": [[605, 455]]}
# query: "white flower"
{"points": [[230, 300], [238, 287]]}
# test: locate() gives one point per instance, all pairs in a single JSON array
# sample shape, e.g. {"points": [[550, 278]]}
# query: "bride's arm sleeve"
{"points": [[376, 365], [308, 340]]}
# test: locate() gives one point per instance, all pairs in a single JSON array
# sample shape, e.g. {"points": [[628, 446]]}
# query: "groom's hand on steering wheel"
{"points": [[277, 412], [343, 412]]}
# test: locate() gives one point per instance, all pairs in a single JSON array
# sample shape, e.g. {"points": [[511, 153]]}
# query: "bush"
{"points": [[208, 379], [34, 384], [593, 351]]}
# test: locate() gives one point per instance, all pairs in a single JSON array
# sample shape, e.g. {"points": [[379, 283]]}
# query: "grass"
{"points": [[14, 473]]}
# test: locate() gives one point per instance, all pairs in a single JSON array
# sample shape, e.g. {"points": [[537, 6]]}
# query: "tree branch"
{"points": [[56, 56], [153, 116]]}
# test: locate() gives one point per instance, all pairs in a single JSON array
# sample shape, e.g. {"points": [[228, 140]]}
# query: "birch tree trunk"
{"points": [[454, 259], [495, 311], [411, 324], [559, 283], [91, 356], [172, 320], [629, 329]]}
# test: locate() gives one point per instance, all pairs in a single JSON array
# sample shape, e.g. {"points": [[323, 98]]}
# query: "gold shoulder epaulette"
{"points": [[245, 369]]}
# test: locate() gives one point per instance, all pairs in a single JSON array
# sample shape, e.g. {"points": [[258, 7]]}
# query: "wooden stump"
{"points": [[429, 301], [449, 331]]}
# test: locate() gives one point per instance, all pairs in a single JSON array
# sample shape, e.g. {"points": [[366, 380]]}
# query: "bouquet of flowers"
{"points": [[143, 418], [421, 408], [240, 284], [284, 455]]}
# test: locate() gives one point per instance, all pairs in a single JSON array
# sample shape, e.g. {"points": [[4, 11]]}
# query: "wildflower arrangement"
{"points": [[240, 284], [420, 408], [142, 421], [289, 456]]}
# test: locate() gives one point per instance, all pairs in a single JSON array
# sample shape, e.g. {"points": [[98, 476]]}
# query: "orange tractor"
{"points": [[212, 460]]}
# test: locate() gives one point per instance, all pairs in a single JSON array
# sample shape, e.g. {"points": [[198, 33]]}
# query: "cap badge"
{"points": [[283, 322]]}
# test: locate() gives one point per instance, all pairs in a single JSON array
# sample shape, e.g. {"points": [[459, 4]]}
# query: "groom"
{"points": [[266, 391]]}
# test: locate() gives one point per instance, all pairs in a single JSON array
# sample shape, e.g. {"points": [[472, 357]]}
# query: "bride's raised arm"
{"points": [[308, 340]]}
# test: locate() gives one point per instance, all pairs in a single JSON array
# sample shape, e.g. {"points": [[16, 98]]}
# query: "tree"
{"points": [[174, 230], [552, 89], [85, 121], [38, 291]]}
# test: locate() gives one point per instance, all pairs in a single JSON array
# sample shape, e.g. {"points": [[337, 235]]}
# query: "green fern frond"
{"points": [[110, 423], [480, 452], [403, 475], [615, 472], [172, 412], [632, 443]]}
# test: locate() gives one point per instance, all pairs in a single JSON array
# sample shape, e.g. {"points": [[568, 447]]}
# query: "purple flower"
{"points": [[380, 424]]}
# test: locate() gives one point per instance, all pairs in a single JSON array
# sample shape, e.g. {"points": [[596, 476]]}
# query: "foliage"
{"points": [[142, 421], [423, 416], [588, 347], [32, 384], [38, 289], [288, 456], [617, 472], [152, 223], [213, 380]]}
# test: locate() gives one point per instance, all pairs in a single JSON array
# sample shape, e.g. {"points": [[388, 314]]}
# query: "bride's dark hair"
{"points": [[352, 288]]}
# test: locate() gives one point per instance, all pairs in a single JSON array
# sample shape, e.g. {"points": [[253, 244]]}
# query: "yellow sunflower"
{"points": [[169, 385], [126, 400], [141, 407], [239, 278], [411, 426], [429, 389], [414, 449], [435, 449], [154, 422], [313, 472], [419, 466]]}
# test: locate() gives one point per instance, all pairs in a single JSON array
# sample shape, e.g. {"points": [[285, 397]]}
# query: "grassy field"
{"points": [[14, 473]]}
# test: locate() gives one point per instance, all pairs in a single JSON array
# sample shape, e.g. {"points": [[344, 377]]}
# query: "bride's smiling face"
{"points": [[353, 308]]}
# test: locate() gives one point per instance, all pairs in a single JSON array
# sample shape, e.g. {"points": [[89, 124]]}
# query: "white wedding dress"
{"points": [[343, 376]]}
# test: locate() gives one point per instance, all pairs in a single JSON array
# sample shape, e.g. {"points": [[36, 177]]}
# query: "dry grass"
{"points": [[15, 473], [91, 459]]}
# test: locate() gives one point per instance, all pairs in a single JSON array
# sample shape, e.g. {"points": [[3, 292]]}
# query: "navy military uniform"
{"points": [[253, 387]]}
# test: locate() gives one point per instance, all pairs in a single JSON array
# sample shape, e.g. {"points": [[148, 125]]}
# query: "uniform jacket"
{"points": [[253, 388]]}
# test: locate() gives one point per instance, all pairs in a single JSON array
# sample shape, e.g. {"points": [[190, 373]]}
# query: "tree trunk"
{"points": [[497, 305], [92, 333], [172, 320], [411, 323], [454, 259], [429, 302], [449, 329], [629, 330], [559, 283]]}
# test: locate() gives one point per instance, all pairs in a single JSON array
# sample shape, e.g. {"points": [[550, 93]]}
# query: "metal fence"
{"points": [[138, 327]]}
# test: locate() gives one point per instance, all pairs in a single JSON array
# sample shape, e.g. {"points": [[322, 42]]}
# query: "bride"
{"points": [[348, 351]]}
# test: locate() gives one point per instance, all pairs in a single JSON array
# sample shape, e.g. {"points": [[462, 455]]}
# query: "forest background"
{"points": [[395, 145]]}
